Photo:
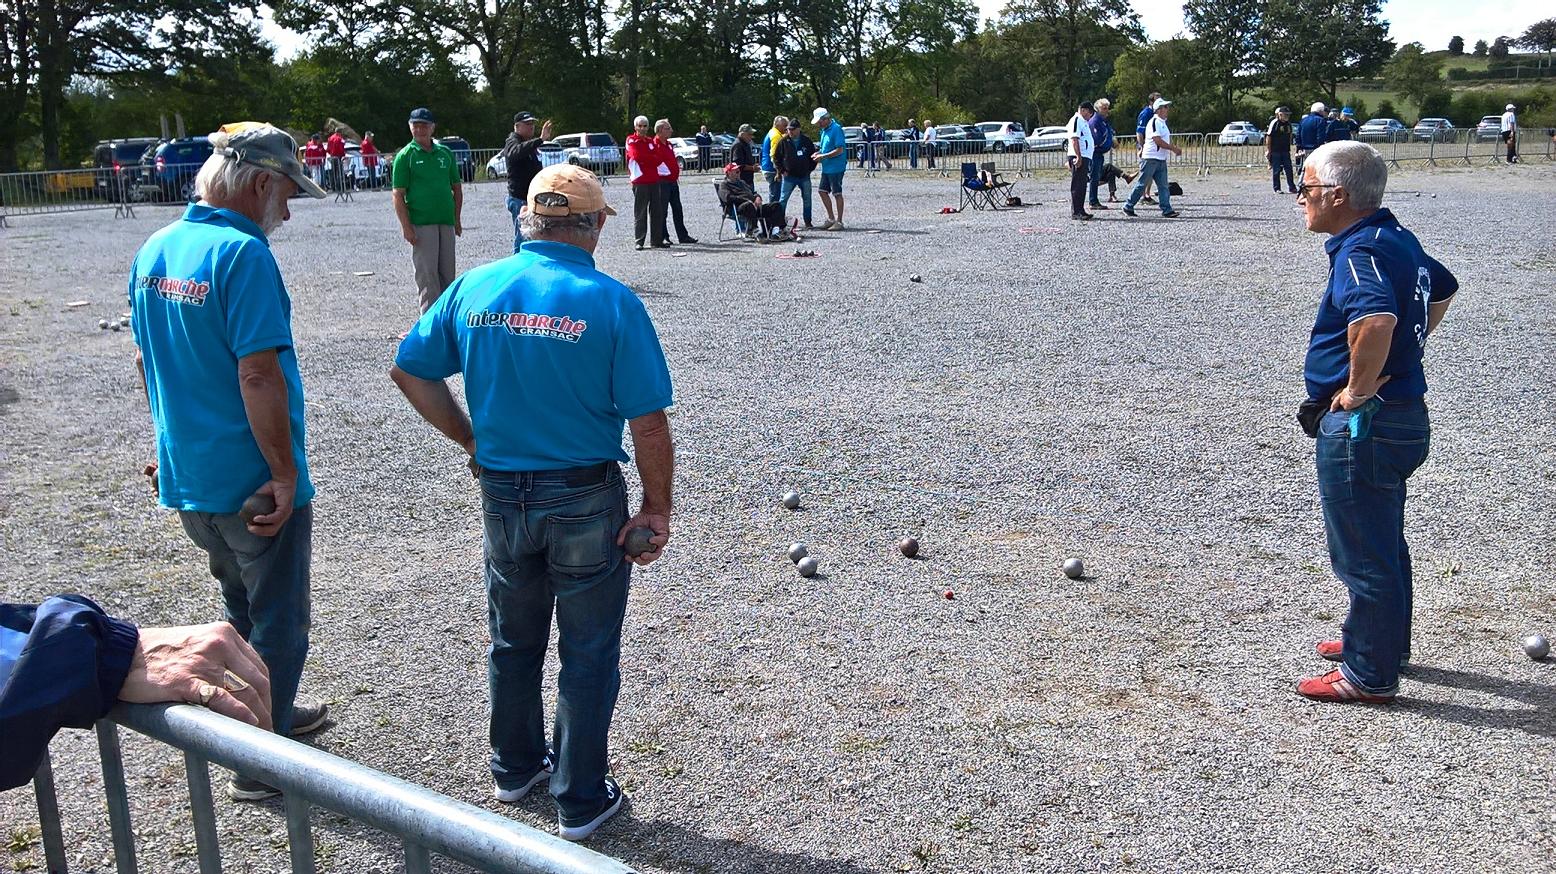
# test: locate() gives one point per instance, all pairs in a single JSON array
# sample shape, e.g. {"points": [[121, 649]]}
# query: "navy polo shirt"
{"points": [[1143, 119], [1376, 266], [204, 292], [1311, 131], [556, 356]]}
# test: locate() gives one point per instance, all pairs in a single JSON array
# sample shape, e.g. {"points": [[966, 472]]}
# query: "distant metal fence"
{"points": [[34, 193], [426, 822]]}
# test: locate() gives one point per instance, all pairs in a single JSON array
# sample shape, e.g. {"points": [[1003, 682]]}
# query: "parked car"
{"points": [[1383, 130], [497, 167], [1005, 136], [1241, 133], [974, 141], [1489, 129], [686, 153], [462, 156], [168, 171], [1048, 139], [1435, 130], [594, 151], [118, 165], [950, 139]]}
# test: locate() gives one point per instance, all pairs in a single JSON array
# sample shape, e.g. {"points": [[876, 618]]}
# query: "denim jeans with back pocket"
{"points": [[551, 545], [1362, 469]]}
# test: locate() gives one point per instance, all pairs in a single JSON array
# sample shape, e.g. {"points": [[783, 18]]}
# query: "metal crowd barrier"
{"points": [[426, 822], [1466, 149]]}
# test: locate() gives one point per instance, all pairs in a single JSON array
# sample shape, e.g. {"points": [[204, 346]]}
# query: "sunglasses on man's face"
{"points": [[1302, 190]]}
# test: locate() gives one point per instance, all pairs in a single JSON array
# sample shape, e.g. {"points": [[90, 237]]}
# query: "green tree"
{"points": [[1228, 33], [1176, 68], [1456, 46], [1079, 40], [1499, 47], [1480, 48], [1412, 73], [1314, 46], [1540, 37]]}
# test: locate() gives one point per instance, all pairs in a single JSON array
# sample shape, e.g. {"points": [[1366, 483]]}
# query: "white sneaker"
{"points": [[614, 799], [511, 796], [837, 226]]}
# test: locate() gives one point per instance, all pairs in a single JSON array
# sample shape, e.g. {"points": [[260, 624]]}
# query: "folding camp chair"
{"points": [[999, 190], [726, 214], [975, 192]]}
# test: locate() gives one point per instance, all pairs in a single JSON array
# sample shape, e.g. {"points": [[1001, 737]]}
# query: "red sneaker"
{"points": [[1333, 650], [1333, 686]]}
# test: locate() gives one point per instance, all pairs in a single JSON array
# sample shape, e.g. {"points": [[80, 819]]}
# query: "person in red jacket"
{"points": [[335, 147], [313, 158], [672, 180], [370, 158], [646, 171]]}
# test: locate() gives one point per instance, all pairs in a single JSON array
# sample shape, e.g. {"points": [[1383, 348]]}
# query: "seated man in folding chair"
{"points": [[977, 189], [752, 214]]}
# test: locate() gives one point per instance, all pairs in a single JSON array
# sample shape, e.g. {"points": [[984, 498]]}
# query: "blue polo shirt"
{"points": [[1312, 131], [204, 292], [1376, 266], [767, 153], [556, 356], [1143, 119], [832, 138]]}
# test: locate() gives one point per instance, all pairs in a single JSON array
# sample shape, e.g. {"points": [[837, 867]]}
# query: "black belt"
{"points": [[571, 476]]}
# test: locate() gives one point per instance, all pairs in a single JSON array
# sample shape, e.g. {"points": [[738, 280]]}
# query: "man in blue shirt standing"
{"points": [[1366, 406], [1143, 118], [556, 358], [832, 157], [1312, 132], [212, 323], [1102, 139]]}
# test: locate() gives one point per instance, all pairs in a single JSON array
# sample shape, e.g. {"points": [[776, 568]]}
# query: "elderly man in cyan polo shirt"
{"points": [[557, 357], [213, 331]]}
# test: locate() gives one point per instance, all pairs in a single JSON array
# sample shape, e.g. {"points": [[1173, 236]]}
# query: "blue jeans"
{"points": [[264, 582], [1281, 161], [1097, 161], [514, 206], [803, 184], [913, 155], [552, 546], [1151, 170], [1361, 485], [774, 185]]}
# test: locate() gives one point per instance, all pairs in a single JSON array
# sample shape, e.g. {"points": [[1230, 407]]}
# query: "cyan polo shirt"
{"points": [[204, 292], [832, 137], [1376, 267], [556, 357]]}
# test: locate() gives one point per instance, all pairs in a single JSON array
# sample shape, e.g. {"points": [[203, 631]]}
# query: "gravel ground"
{"points": [[1120, 391]]}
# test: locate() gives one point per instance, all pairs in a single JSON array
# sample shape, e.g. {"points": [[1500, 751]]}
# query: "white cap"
{"points": [[819, 114], [1160, 102], [1511, 107], [1317, 107]]}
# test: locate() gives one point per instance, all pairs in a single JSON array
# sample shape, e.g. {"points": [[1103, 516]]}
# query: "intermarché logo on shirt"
{"points": [[177, 290], [530, 325]]}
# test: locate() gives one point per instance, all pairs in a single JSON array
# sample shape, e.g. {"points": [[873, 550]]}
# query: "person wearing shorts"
{"points": [[832, 158]]}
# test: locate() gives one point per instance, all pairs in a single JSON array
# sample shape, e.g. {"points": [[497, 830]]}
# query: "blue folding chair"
{"points": [[975, 192]]}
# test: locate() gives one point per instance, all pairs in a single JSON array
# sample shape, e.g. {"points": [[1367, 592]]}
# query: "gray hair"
{"points": [[221, 178], [780, 121], [583, 226], [665, 122], [1104, 103], [642, 119], [1355, 167]]}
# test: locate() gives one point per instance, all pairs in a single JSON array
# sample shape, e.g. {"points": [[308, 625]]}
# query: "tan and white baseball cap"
{"points": [[565, 189]]}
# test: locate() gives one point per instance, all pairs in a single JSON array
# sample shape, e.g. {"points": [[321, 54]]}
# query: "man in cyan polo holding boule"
{"points": [[557, 357]]}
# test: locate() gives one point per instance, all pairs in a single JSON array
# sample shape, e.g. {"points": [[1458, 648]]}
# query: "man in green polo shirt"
{"points": [[428, 200]]}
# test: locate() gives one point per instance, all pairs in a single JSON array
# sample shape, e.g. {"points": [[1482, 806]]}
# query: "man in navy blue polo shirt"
{"points": [[1312, 132], [1366, 405], [212, 323], [556, 358]]}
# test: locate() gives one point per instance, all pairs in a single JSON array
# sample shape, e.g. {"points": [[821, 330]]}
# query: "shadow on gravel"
{"points": [[1195, 216], [696, 852], [1538, 717]]}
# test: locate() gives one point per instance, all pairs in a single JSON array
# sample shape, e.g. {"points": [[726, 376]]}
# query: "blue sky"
{"points": [[1429, 22]]}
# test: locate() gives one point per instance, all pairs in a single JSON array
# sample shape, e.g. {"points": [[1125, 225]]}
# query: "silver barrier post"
{"points": [[48, 816], [299, 834], [118, 797], [203, 811]]}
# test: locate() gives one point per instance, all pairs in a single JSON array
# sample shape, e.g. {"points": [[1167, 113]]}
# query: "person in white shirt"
{"points": [[1079, 148], [1510, 133], [930, 136], [1154, 156]]}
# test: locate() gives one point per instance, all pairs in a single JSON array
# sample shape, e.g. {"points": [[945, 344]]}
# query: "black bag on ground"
{"points": [[1174, 189]]}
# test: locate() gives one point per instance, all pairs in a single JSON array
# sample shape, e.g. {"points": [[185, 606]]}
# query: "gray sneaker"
{"points": [[241, 788], [309, 712]]}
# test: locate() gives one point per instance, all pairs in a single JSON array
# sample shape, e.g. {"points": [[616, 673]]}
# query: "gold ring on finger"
{"points": [[232, 682], [207, 692]]}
